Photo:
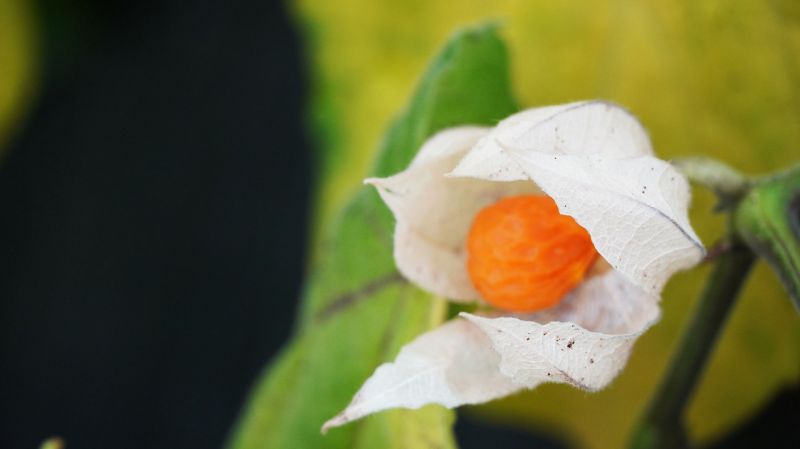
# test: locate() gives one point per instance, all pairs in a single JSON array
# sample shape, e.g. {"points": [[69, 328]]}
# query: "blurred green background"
{"points": [[18, 63], [716, 78], [712, 78]]}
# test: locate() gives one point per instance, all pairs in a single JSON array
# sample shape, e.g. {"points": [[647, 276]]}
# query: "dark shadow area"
{"points": [[774, 427], [472, 433], [154, 216]]}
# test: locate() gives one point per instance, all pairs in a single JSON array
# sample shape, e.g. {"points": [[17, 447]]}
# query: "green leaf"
{"points": [[357, 311], [768, 219]]}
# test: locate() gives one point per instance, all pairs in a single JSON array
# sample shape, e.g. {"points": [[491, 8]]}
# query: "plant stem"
{"points": [[663, 424]]}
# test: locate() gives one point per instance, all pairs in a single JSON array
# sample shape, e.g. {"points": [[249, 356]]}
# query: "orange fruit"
{"points": [[523, 256]]}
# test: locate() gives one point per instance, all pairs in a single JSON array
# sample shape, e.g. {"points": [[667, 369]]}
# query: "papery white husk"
{"points": [[595, 160]]}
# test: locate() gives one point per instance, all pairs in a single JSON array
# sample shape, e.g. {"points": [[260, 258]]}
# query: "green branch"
{"points": [[663, 425]]}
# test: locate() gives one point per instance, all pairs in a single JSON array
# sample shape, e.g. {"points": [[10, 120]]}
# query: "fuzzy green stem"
{"points": [[663, 424]]}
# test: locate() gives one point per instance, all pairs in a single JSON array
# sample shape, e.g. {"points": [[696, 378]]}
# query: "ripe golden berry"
{"points": [[524, 256]]}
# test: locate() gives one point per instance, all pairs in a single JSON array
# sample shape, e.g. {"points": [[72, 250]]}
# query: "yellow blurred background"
{"points": [[713, 78]]}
